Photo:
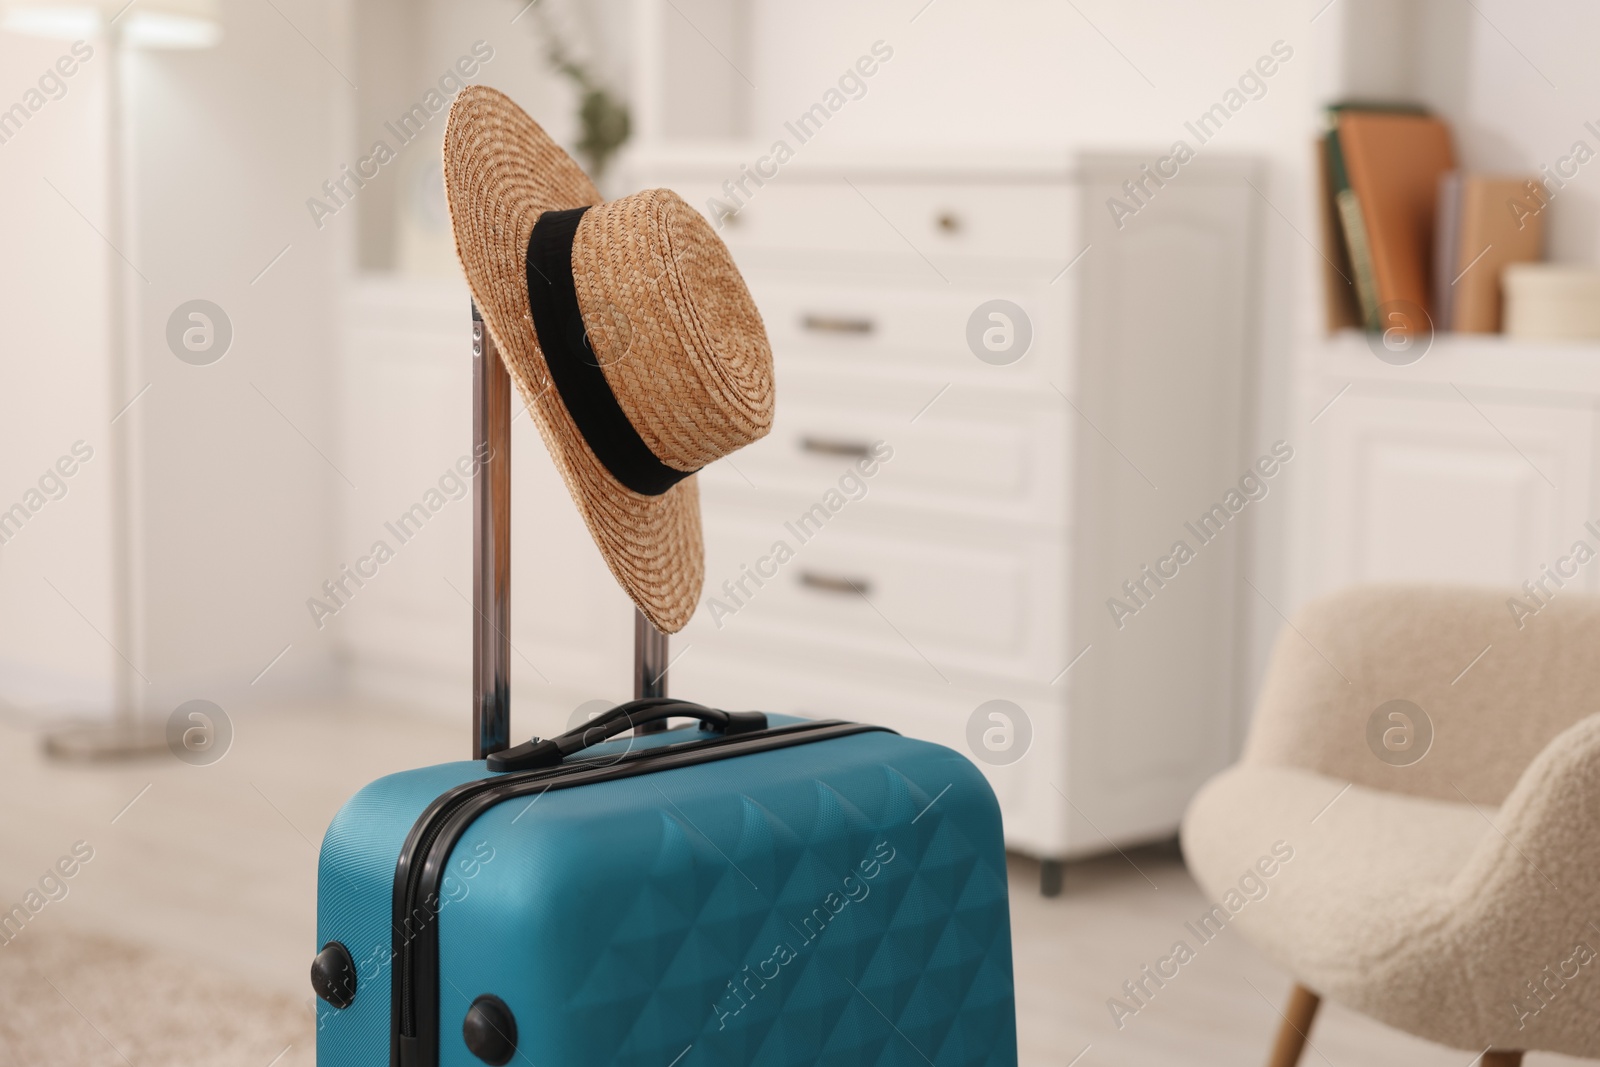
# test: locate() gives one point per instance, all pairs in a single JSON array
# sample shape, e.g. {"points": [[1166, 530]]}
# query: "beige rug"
{"points": [[85, 1001]]}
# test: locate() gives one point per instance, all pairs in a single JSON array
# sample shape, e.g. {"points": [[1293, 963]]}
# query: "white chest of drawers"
{"points": [[974, 565]]}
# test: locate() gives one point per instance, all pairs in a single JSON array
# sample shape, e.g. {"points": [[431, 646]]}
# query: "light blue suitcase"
{"points": [[744, 889]]}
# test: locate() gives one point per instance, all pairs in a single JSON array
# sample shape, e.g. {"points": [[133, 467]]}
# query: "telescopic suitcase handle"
{"points": [[491, 564]]}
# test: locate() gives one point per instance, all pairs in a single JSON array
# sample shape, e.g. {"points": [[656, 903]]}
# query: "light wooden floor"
{"points": [[218, 864]]}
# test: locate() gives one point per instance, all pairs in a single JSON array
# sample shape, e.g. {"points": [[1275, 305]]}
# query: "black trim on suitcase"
{"points": [[420, 869]]}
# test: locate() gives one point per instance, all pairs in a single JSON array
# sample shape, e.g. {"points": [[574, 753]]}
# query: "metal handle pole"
{"points": [[491, 545], [649, 666]]}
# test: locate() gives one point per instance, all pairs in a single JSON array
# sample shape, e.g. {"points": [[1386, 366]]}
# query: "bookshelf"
{"points": [[1512, 84], [1477, 463]]}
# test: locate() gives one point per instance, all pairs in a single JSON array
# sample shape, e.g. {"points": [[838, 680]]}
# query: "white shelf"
{"points": [[1485, 360]]}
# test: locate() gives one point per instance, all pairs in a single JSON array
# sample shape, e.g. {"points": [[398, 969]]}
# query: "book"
{"points": [[1392, 162], [1480, 233], [1347, 205], [1351, 288], [1446, 242], [1342, 306]]}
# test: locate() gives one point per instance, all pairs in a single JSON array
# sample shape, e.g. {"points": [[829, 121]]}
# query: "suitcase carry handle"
{"points": [[491, 565], [534, 754]]}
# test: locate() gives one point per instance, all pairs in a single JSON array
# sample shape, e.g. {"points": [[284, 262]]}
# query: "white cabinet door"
{"points": [[1438, 486]]}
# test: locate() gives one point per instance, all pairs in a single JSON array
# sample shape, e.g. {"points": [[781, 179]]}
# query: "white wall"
{"points": [[53, 388], [240, 511], [237, 501], [233, 503]]}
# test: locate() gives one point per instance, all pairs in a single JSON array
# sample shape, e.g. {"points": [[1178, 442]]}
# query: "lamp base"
{"points": [[106, 742]]}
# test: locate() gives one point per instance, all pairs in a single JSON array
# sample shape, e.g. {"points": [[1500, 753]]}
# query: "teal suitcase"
{"points": [[740, 889]]}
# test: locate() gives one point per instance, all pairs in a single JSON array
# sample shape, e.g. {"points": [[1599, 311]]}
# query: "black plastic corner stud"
{"points": [[490, 1030], [333, 975]]}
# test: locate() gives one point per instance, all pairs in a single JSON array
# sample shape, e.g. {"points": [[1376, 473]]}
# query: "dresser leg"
{"points": [[1051, 875]]}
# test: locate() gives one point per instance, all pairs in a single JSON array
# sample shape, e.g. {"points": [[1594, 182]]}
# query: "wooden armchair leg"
{"points": [[1297, 1017], [1501, 1058]]}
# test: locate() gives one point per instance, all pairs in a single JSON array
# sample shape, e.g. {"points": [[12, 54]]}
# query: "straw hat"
{"points": [[628, 330]]}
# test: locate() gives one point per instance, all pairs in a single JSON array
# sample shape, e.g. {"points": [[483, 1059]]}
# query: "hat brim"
{"points": [[501, 172]]}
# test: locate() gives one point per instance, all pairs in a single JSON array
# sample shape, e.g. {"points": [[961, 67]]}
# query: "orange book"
{"points": [[1492, 234], [1394, 162]]}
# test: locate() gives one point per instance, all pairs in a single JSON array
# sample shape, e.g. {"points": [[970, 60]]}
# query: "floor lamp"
{"points": [[117, 26]]}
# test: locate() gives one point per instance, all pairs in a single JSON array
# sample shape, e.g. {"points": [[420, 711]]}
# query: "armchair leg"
{"points": [[1297, 1017], [1501, 1058]]}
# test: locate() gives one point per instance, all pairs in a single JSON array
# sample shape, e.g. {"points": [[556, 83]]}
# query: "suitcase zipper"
{"points": [[419, 870]]}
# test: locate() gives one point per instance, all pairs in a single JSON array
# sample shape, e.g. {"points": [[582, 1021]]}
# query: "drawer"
{"points": [[892, 595], [899, 220], [972, 453], [897, 327]]}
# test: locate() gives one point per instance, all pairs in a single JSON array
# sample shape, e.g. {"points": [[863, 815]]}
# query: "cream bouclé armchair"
{"points": [[1447, 885]]}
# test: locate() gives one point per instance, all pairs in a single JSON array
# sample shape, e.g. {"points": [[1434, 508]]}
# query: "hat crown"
{"points": [[673, 327]]}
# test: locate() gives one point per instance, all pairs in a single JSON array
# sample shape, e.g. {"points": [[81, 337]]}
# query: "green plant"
{"points": [[602, 115]]}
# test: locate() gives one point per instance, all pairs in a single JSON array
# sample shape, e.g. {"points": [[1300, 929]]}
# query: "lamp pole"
{"points": [[125, 696], [127, 734]]}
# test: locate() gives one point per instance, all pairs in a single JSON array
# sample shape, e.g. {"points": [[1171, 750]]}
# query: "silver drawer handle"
{"points": [[836, 324], [835, 583], [823, 447]]}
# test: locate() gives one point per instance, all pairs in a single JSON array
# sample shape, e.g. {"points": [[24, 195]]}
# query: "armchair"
{"points": [[1445, 870]]}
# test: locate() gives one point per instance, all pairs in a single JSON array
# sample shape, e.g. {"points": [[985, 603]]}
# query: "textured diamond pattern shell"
{"points": [[842, 902]]}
